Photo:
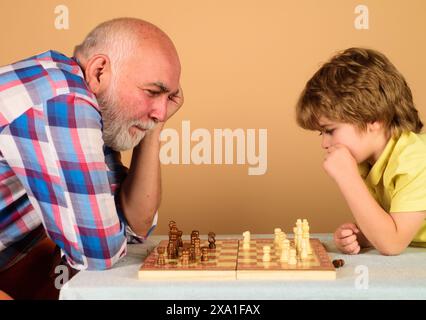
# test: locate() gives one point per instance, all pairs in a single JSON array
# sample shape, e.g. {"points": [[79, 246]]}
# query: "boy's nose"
{"points": [[325, 143]]}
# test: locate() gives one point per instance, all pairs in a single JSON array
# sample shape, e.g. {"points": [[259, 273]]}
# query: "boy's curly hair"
{"points": [[359, 86]]}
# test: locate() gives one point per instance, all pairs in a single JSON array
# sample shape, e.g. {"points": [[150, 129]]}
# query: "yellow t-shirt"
{"points": [[398, 178]]}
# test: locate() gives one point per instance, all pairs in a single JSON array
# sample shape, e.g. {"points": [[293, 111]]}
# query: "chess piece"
{"points": [[292, 259], [304, 250], [204, 254], [171, 250], [277, 231], [306, 235], [295, 236], [299, 223], [266, 254], [338, 263], [195, 234], [212, 240], [180, 242], [161, 259], [246, 240], [173, 239], [192, 257], [279, 238], [171, 224], [185, 256], [285, 254], [197, 247], [299, 234]]}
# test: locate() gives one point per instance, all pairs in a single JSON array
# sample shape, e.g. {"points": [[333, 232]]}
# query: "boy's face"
{"points": [[362, 144]]}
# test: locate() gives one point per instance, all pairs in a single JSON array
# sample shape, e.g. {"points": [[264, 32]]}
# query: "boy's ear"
{"points": [[374, 126]]}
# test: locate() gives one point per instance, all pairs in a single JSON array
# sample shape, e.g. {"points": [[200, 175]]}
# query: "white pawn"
{"points": [[246, 240], [266, 254], [285, 254], [292, 259]]}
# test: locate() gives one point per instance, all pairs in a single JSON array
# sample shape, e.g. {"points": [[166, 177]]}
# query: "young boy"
{"points": [[375, 152]]}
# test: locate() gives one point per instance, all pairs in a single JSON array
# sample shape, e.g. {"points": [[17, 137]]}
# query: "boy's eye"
{"points": [[326, 131]]}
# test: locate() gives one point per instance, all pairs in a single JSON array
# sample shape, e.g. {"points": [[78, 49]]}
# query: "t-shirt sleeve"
{"points": [[410, 185]]}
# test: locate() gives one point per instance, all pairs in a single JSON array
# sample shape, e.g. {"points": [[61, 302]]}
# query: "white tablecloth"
{"points": [[367, 275]]}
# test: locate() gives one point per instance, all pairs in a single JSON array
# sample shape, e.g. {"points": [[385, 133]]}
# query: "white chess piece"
{"points": [[304, 250], [266, 254], [299, 239], [285, 254], [292, 259], [246, 240], [277, 232]]}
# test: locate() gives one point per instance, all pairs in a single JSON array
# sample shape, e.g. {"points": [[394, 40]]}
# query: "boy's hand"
{"points": [[339, 162], [346, 240]]}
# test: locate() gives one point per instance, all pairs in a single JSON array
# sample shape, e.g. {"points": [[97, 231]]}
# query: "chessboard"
{"points": [[280, 258], [230, 262]]}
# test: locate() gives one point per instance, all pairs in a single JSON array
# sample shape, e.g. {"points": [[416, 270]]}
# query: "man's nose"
{"points": [[159, 110]]}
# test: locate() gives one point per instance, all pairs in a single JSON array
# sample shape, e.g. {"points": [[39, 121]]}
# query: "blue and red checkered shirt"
{"points": [[56, 175]]}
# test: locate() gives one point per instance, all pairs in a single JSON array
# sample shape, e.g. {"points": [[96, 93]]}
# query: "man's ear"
{"points": [[98, 73]]}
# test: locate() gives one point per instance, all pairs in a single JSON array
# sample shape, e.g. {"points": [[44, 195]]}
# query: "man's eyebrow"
{"points": [[163, 88]]}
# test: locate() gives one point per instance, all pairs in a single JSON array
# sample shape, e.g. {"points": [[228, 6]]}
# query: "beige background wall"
{"points": [[244, 65]]}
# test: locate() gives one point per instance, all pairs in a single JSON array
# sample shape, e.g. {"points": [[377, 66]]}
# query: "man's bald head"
{"points": [[120, 38]]}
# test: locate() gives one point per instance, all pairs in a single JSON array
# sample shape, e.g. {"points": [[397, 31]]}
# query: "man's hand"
{"points": [[346, 238], [175, 102], [339, 162]]}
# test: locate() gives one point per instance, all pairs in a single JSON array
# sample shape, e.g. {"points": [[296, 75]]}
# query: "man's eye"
{"points": [[153, 93]]}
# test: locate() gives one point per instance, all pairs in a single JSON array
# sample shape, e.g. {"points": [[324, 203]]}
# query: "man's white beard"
{"points": [[116, 134]]}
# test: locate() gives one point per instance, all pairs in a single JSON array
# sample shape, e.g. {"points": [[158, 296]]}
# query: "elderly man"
{"points": [[63, 122]]}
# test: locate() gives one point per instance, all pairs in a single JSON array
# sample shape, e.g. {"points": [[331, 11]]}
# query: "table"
{"points": [[368, 275]]}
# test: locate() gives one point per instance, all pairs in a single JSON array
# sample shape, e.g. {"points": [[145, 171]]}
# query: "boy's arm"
{"points": [[363, 241], [388, 233]]}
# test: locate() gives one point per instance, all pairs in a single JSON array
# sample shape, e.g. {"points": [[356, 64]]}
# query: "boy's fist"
{"points": [[346, 239], [339, 163]]}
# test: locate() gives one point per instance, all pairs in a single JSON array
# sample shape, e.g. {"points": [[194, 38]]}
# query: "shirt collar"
{"points": [[373, 174]]}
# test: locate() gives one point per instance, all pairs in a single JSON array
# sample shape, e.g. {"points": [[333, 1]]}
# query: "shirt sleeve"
{"points": [[410, 186], [57, 153]]}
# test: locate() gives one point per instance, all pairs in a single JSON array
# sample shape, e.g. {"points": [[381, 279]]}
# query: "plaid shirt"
{"points": [[56, 175]]}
